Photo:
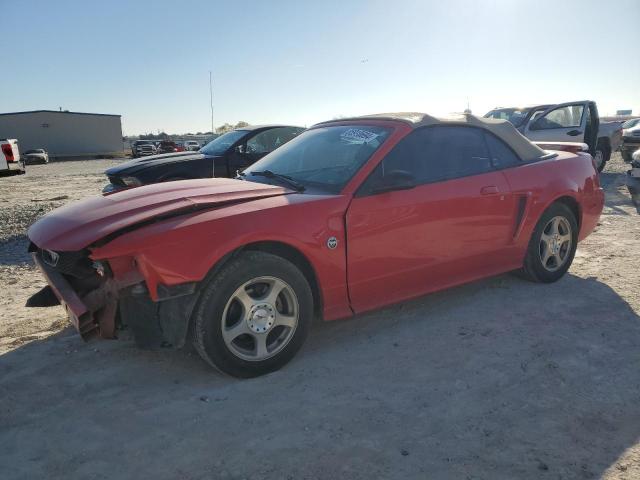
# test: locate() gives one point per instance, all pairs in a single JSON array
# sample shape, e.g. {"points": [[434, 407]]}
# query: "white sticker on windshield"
{"points": [[357, 135]]}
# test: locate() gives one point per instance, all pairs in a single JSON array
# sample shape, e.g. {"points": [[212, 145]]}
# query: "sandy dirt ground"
{"points": [[499, 379]]}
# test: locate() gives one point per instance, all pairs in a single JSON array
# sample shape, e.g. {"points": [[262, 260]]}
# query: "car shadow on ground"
{"points": [[496, 379], [617, 192]]}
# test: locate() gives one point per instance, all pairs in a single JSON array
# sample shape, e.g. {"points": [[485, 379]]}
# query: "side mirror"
{"points": [[240, 149], [395, 180]]}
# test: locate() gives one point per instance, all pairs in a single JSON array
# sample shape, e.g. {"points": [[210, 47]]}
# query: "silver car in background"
{"points": [[191, 146], [36, 155]]}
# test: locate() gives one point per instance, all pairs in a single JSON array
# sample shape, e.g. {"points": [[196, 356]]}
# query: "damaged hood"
{"points": [[80, 224]]}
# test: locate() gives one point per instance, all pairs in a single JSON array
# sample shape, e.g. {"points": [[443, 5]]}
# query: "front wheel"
{"points": [[552, 245], [253, 315]]}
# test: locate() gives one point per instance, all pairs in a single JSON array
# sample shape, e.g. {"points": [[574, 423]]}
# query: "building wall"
{"points": [[64, 134]]}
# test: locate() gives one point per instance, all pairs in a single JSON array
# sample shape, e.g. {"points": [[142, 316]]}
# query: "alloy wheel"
{"points": [[260, 318], [555, 243]]}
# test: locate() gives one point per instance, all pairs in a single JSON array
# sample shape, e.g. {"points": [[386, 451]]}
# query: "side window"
{"points": [[434, 154], [452, 152], [567, 116], [269, 140], [501, 154]]}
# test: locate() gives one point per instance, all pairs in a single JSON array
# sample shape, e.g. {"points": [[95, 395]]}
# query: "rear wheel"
{"points": [[552, 245], [253, 316]]}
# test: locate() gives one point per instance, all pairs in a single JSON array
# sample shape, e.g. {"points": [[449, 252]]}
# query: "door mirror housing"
{"points": [[394, 180], [241, 149]]}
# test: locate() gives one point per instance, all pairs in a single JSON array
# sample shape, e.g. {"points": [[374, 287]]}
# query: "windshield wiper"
{"points": [[285, 178]]}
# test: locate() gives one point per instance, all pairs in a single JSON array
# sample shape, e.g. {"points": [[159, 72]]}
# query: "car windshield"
{"points": [[223, 142], [324, 157], [516, 116], [631, 123]]}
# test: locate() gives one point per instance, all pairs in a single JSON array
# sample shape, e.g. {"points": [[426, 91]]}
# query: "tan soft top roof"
{"points": [[501, 128]]}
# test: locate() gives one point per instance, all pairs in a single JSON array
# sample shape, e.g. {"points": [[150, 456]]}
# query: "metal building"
{"points": [[64, 133]]}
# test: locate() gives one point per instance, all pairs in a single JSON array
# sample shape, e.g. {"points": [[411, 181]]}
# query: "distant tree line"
{"points": [[227, 127]]}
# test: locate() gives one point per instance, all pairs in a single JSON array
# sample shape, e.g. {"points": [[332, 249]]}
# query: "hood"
{"points": [[80, 224], [138, 164]]}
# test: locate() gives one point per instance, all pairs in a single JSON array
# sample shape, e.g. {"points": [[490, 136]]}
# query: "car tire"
{"points": [[552, 245], [602, 156], [627, 156], [253, 315]]}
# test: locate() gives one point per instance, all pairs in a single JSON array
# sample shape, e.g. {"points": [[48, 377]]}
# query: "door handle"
{"points": [[489, 190], [574, 133]]}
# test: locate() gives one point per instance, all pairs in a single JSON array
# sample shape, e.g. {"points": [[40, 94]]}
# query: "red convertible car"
{"points": [[351, 215]]}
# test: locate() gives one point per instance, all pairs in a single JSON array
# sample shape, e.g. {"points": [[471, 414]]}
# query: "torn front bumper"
{"points": [[98, 305], [94, 313]]}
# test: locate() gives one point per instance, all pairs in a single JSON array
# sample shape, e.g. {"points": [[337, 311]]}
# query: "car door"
{"points": [[565, 122], [450, 228]]}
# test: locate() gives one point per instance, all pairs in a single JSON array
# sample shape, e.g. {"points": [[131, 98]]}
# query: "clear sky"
{"points": [[301, 62]]}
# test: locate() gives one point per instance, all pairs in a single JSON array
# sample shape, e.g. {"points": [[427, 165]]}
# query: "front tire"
{"points": [[253, 315], [552, 245]]}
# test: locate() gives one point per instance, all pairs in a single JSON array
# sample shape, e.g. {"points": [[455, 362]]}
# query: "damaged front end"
{"points": [[102, 297], [107, 274]]}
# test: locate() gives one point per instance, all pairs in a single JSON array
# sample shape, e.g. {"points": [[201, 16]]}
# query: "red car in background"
{"points": [[351, 215]]}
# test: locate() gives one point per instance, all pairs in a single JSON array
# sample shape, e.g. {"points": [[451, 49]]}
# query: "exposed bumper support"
{"points": [[93, 315]]}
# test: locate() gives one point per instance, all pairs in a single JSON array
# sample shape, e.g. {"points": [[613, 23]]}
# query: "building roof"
{"points": [[501, 128], [63, 112]]}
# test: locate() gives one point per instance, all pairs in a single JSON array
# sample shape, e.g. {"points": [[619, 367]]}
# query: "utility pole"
{"points": [[211, 99]]}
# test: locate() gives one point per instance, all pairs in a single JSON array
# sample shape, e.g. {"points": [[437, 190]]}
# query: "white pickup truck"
{"points": [[566, 122], [10, 161]]}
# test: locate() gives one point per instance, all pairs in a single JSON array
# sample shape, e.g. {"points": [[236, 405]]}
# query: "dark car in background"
{"points": [[223, 157]]}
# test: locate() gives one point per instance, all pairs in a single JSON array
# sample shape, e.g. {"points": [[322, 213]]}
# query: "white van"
{"points": [[10, 161]]}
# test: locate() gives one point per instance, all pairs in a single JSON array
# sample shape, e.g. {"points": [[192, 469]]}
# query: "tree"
{"points": [[152, 136], [241, 124], [227, 127]]}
